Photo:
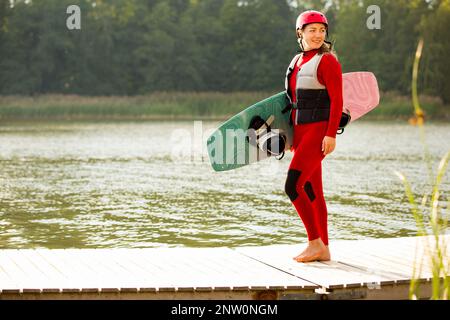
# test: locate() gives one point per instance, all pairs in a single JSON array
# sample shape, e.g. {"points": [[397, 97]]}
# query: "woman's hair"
{"points": [[326, 47]]}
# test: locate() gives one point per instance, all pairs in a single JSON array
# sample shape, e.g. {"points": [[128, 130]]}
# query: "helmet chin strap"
{"points": [[300, 42]]}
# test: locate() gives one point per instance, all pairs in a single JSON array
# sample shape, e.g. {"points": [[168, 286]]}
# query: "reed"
{"points": [[396, 106], [158, 105], [429, 216], [181, 105]]}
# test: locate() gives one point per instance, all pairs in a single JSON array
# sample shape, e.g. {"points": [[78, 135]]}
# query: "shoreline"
{"points": [[184, 106]]}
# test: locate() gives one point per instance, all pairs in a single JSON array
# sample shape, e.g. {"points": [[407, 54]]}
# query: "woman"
{"points": [[314, 87]]}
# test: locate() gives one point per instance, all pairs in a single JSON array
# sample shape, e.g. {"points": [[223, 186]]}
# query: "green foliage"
{"points": [[436, 69], [388, 52], [136, 47]]}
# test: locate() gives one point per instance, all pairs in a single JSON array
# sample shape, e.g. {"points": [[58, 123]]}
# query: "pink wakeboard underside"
{"points": [[360, 93]]}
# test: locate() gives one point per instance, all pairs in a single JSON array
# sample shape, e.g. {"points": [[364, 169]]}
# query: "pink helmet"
{"points": [[310, 16]]}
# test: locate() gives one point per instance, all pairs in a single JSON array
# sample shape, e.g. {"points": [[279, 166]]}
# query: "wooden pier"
{"points": [[359, 269]]}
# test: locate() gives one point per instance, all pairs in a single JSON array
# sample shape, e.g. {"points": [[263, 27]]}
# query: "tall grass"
{"points": [[159, 105], [429, 217], [180, 105], [396, 106]]}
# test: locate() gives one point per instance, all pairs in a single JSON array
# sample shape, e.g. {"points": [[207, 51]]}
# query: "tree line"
{"points": [[140, 46]]}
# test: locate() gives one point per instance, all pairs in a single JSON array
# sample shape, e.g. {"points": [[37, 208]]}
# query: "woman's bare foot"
{"points": [[300, 255], [316, 251]]}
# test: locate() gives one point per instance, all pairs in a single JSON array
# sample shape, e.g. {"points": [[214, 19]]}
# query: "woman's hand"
{"points": [[328, 145]]}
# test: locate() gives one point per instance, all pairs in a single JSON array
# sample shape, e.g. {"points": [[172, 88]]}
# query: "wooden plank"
{"points": [[355, 264], [238, 271], [364, 256], [164, 274], [71, 270], [52, 276], [426, 246], [409, 260], [79, 274], [111, 274], [114, 274], [279, 256], [369, 276], [46, 268], [329, 275], [397, 253], [354, 277], [399, 256], [197, 268], [126, 262], [404, 243], [146, 271], [188, 274], [373, 256], [240, 262], [372, 265], [218, 267], [96, 270], [405, 257], [52, 271], [381, 249], [67, 269], [17, 272], [426, 253], [7, 280], [40, 280]]}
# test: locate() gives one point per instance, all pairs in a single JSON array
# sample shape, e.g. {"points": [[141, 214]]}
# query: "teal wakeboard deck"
{"points": [[229, 148]]}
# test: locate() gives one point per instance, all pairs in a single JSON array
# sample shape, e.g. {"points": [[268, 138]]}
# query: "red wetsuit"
{"points": [[305, 170]]}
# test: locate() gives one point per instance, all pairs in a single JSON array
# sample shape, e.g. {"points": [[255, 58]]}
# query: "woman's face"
{"points": [[313, 36]]}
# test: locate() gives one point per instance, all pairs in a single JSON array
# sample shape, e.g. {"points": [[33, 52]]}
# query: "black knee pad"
{"points": [[309, 191], [291, 184]]}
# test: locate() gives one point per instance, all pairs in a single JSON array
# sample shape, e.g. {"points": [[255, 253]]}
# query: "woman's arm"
{"points": [[329, 73]]}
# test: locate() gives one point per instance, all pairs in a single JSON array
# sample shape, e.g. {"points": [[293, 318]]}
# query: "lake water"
{"points": [[145, 184]]}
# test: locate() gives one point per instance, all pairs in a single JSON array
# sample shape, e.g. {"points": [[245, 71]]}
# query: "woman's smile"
{"points": [[313, 35]]}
